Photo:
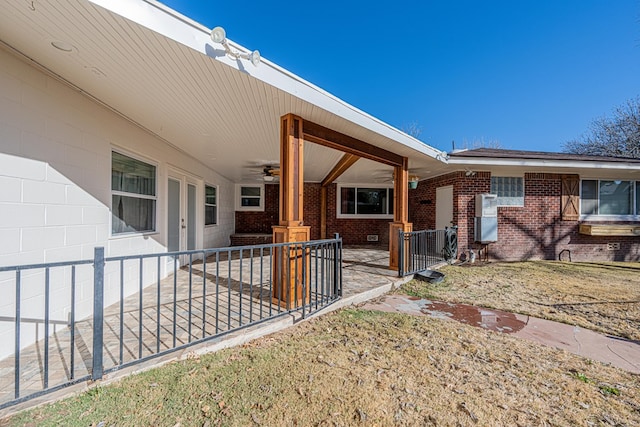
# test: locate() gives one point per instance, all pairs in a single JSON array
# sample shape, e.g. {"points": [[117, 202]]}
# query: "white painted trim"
{"points": [[589, 217], [238, 198], [359, 216], [143, 159], [217, 205], [185, 178], [570, 164], [634, 218]]}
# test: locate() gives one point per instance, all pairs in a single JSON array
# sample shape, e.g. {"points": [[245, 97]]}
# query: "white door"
{"points": [[444, 207], [182, 213]]}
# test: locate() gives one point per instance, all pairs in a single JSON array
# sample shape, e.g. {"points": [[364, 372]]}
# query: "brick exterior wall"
{"points": [[352, 231], [250, 239], [312, 209], [252, 222], [535, 231]]}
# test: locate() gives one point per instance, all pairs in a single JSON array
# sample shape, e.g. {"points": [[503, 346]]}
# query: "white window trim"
{"points": [[239, 206], [524, 195], [610, 218], [359, 216], [216, 205], [143, 159]]}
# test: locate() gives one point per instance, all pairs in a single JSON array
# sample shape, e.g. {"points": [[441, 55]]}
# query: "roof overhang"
{"points": [[597, 168], [161, 70]]}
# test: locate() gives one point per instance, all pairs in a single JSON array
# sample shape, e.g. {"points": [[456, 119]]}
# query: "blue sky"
{"points": [[529, 75]]}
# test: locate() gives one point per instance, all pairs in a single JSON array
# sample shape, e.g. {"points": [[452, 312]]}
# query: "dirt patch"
{"points": [[603, 297]]}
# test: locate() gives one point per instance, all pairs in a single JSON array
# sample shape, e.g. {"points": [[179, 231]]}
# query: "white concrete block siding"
{"points": [[55, 194]]}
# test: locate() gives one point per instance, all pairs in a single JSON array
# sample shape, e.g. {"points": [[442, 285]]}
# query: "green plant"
{"points": [[607, 390], [582, 377]]}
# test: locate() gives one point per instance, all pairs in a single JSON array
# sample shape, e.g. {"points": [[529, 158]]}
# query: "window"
{"points": [[210, 205], [250, 197], [510, 190], [133, 195], [365, 201], [611, 198]]}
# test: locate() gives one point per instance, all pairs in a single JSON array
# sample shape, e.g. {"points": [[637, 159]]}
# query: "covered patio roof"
{"points": [[162, 71]]}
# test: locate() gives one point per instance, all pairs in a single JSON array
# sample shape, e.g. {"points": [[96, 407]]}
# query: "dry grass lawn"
{"points": [[358, 367], [604, 297]]}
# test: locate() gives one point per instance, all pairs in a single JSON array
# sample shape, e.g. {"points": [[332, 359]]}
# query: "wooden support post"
{"points": [[290, 273], [400, 211]]}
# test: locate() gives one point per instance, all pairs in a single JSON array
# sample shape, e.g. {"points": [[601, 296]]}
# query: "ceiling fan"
{"points": [[270, 173], [263, 170]]}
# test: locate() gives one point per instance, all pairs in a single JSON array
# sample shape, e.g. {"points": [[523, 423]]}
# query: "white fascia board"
{"points": [[569, 164], [173, 25]]}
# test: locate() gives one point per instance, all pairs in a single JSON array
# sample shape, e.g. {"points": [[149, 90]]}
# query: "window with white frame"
{"points": [[249, 197], [133, 195], [509, 189], [369, 202], [610, 198], [210, 205]]}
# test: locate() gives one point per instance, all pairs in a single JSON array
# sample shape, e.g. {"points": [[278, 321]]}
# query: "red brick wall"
{"points": [[352, 231], [312, 209], [250, 239], [422, 202], [260, 222], [535, 231]]}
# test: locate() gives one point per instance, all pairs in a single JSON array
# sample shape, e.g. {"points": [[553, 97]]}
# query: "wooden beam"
{"points": [[288, 275], [400, 212], [401, 192], [321, 135], [341, 167], [291, 171]]}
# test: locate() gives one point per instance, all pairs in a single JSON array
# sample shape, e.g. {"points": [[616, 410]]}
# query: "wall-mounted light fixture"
{"points": [[470, 173], [219, 35]]}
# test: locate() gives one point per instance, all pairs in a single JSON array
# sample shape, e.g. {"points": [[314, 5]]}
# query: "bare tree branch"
{"points": [[413, 129], [616, 136]]}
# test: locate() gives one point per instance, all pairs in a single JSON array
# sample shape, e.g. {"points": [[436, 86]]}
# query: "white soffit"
{"points": [[162, 71], [169, 23]]}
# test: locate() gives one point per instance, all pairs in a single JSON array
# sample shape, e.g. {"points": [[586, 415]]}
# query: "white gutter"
{"points": [[173, 25], [572, 164]]}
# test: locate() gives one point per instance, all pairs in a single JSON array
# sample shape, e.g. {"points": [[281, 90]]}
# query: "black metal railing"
{"points": [[76, 321], [420, 250]]}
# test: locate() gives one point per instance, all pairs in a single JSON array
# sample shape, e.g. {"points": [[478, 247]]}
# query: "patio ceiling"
{"points": [[162, 71]]}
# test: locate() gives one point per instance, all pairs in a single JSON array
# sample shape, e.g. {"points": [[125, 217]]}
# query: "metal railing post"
{"points": [[16, 368], [337, 265], [400, 253], [98, 312], [304, 279]]}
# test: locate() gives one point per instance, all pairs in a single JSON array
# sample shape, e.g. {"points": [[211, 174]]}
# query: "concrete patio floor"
{"points": [[365, 275]]}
